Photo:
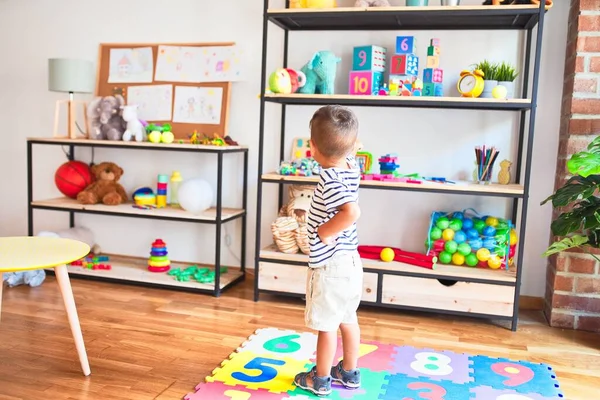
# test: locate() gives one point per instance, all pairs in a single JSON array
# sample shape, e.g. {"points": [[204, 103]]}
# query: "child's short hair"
{"points": [[333, 130]]}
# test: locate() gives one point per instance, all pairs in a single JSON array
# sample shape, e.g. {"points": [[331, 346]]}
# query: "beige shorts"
{"points": [[333, 292]]}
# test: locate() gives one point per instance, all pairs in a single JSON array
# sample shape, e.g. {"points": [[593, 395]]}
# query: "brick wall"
{"points": [[573, 278]]}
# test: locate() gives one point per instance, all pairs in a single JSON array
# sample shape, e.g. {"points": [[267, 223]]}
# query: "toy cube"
{"points": [[433, 89], [365, 82], [369, 58], [433, 62], [405, 45], [435, 42], [433, 75], [412, 65], [433, 51], [404, 64]]}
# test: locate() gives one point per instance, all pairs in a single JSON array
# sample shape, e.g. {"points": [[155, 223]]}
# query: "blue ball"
{"points": [[458, 215], [467, 223], [489, 231], [490, 243], [472, 233], [475, 244], [460, 237]]}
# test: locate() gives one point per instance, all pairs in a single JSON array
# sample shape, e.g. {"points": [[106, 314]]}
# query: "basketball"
{"points": [[72, 177]]}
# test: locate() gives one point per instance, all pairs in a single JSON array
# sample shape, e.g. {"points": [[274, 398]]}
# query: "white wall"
{"points": [[430, 142]]}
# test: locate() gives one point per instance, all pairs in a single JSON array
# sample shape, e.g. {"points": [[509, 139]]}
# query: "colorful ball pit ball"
{"points": [[436, 233], [475, 244], [455, 224], [458, 259], [448, 234], [471, 260], [491, 221], [512, 251], [458, 215], [478, 225], [472, 234], [513, 237], [442, 223], [445, 257], [489, 231], [490, 243], [460, 237], [467, 224], [494, 262], [483, 254], [451, 246], [464, 249], [387, 255]]}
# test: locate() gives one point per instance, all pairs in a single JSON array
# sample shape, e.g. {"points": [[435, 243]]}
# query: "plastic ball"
{"points": [[458, 259], [387, 255], [445, 257], [154, 137], [491, 221], [502, 225], [448, 234], [499, 92], [195, 195], [167, 137], [455, 224], [482, 264], [460, 237], [489, 243], [467, 224], [451, 246], [500, 251], [464, 249], [489, 231], [483, 254], [475, 244], [471, 260], [513, 237], [435, 233], [494, 262], [436, 214], [442, 223], [512, 251], [479, 225], [73, 177], [500, 239], [472, 233], [458, 215]]}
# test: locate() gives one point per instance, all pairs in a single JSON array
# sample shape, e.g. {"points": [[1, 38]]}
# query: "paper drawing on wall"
{"points": [[178, 64], [131, 65], [222, 64], [155, 103], [198, 105]]}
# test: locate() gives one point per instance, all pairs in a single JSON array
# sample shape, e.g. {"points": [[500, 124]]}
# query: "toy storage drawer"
{"points": [[461, 296], [369, 287], [282, 278]]}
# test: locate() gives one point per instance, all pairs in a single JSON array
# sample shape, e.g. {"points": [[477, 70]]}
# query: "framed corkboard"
{"points": [[187, 85]]}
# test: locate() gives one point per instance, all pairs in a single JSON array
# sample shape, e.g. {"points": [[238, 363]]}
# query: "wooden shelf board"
{"points": [[136, 270], [127, 209], [449, 9], [136, 145], [467, 187], [448, 271]]}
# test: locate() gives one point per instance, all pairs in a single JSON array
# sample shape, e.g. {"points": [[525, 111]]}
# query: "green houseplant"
{"points": [[578, 201], [490, 73], [506, 75]]}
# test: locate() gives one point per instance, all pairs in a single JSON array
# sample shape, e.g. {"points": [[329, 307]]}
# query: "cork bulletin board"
{"points": [[187, 85]]}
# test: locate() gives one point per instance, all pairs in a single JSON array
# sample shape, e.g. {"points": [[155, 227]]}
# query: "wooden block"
{"points": [[431, 89], [433, 51], [412, 65], [433, 75], [365, 82], [369, 58], [433, 62], [398, 66], [405, 45], [435, 42]]}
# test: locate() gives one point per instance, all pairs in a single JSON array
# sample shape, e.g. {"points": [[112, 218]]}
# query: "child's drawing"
{"points": [[130, 65], [198, 105], [221, 64], [178, 64], [154, 103]]}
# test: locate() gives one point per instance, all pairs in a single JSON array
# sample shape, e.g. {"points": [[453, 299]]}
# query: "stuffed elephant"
{"points": [[320, 73], [372, 3], [105, 118]]}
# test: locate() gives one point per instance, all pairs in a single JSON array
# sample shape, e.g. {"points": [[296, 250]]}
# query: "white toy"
{"points": [[80, 233], [135, 128], [372, 3]]}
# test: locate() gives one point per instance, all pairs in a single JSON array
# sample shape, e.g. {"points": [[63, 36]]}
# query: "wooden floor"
{"points": [[156, 344]]}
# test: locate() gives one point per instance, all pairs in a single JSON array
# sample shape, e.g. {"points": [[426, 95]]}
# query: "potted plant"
{"points": [[490, 81], [506, 75], [578, 224]]}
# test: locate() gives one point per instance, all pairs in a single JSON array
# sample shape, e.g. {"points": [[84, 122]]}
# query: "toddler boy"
{"points": [[335, 273]]}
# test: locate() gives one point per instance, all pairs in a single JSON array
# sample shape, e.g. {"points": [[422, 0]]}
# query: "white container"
{"points": [[487, 89], [510, 88]]}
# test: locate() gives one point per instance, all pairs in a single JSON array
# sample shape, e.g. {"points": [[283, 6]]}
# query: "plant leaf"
{"points": [[594, 147], [585, 163], [565, 244], [576, 188]]}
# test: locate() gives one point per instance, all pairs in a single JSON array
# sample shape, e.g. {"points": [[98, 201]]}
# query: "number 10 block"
{"points": [[365, 82]]}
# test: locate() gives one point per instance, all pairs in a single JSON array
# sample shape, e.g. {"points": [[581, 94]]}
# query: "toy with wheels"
{"points": [[466, 238]]}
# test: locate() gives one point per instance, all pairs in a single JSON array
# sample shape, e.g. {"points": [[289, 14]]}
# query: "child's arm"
{"points": [[347, 215]]}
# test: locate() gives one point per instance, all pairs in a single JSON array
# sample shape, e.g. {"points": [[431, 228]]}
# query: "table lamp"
{"points": [[70, 76]]}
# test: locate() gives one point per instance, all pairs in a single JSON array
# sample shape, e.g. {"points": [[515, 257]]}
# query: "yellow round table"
{"points": [[31, 253]]}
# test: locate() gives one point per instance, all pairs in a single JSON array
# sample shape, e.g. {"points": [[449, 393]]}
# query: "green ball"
{"points": [[442, 223], [479, 225], [464, 249], [435, 233], [445, 257], [471, 260], [500, 251], [451, 246], [501, 225], [455, 224]]}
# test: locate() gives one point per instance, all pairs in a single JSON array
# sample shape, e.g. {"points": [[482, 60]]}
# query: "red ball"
{"points": [[511, 251], [72, 177]]}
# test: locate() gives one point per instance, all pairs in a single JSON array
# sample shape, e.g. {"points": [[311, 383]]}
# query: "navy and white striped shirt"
{"points": [[336, 187]]}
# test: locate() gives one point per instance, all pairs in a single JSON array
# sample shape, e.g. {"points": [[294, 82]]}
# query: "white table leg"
{"points": [[62, 276]]}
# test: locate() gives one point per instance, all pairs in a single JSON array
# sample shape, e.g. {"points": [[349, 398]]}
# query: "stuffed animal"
{"points": [[372, 3], [105, 118], [135, 127], [320, 73], [286, 81], [80, 233], [290, 232], [31, 278], [106, 189]]}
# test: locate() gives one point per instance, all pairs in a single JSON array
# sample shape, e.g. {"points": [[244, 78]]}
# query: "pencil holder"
{"points": [[485, 177]]}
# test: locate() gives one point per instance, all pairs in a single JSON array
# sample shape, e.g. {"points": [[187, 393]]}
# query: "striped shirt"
{"points": [[336, 187]]}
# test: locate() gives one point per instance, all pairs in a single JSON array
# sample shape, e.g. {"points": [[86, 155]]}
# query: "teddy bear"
{"points": [[290, 229], [106, 189], [372, 3]]}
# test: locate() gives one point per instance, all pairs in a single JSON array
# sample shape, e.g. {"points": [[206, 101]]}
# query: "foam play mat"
{"points": [[263, 368]]}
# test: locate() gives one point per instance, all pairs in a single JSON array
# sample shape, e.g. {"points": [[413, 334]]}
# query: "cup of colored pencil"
{"points": [[486, 157]]}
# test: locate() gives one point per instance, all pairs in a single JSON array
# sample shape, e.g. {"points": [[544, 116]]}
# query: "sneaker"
{"points": [[321, 386], [350, 379]]}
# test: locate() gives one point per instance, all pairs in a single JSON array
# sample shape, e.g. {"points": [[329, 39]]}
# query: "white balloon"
{"points": [[195, 195]]}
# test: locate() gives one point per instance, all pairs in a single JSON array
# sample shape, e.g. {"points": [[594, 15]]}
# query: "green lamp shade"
{"points": [[69, 75]]}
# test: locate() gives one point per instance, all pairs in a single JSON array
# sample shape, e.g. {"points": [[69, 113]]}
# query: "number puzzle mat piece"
{"points": [[435, 365], [520, 376], [220, 391], [488, 393], [401, 387], [374, 356], [277, 343]]}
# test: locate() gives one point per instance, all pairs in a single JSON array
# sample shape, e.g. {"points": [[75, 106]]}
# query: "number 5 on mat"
{"points": [[267, 372]]}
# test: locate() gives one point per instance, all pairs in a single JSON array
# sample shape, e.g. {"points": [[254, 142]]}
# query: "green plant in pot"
{"points": [[578, 201], [490, 71], [506, 75]]}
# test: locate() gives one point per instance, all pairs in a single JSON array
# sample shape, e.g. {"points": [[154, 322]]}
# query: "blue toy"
{"points": [[320, 73], [405, 45], [31, 278]]}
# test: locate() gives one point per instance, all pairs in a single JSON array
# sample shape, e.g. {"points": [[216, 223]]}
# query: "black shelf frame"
{"points": [[218, 221], [397, 19]]}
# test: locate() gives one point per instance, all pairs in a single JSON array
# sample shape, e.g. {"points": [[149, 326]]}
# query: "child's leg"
{"points": [[351, 343], [326, 347]]}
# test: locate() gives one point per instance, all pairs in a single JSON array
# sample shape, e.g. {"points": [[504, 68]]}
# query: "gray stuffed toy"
{"points": [[105, 117], [372, 3]]}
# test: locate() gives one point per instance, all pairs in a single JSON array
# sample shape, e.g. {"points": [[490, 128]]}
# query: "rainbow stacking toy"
{"points": [[159, 261]]}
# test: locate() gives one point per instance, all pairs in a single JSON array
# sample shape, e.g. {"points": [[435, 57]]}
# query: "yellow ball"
{"points": [[167, 137], [483, 254], [448, 234], [154, 137], [458, 259], [494, 262], [513, 237], [491, 221], [387, 255], [499, 92]]}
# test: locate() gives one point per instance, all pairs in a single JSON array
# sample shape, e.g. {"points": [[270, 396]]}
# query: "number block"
{"points": [[435, 42], [433, 51], [369, 58], [433, 90], [433, 75], [404, 64], [365, 82], [406, 45], [433, 62]]}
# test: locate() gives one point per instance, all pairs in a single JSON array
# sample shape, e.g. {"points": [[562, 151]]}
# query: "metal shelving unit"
{"points": [[131, 270], [282, 270]]}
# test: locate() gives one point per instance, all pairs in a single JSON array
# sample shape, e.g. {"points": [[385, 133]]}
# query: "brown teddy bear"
{"points": [[106, 189]]}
